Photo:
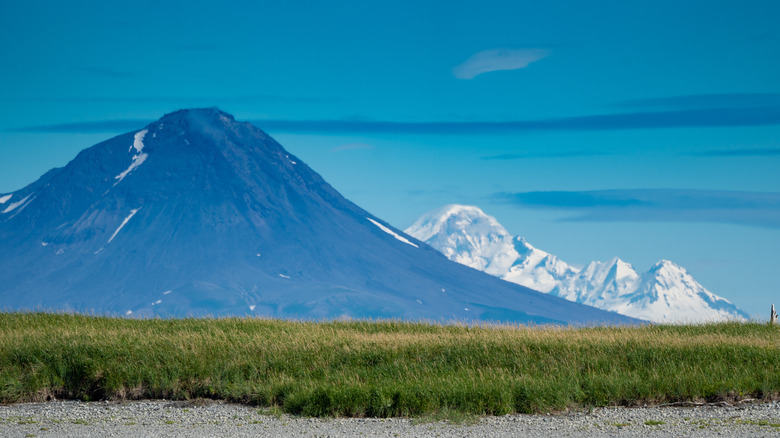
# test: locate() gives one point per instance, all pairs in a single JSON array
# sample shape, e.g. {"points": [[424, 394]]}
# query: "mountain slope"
{"points": [[200, 214], [666, 293]]}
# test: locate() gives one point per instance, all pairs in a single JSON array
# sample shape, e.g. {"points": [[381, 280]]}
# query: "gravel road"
{"points": [[161, 418]]}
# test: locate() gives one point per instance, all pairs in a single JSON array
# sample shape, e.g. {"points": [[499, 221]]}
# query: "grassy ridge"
{"points": [[382, 368]]}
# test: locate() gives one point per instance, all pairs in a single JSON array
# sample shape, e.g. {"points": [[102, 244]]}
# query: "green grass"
{"points": [[382, 369], [759, 423]]}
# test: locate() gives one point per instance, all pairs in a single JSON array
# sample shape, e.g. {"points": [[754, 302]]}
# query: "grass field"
{"points": [[383, 369]]}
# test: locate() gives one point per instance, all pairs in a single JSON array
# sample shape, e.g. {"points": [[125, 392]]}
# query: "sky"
{"points": [[642, 130]]}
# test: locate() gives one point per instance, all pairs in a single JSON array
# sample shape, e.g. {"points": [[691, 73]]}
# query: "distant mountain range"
{"points": [[665, 293], [199, 214]]}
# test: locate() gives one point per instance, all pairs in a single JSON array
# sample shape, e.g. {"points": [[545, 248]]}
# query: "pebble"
{"points": [[163, 418]]}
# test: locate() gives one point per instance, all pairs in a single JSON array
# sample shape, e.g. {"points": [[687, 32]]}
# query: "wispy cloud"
{"points": [[706, 118], [527, 155], [111, 126], [352, 146], [604, 122], [755, 152], [181, 100], [703, 101], [760, 209], [497, 59]]}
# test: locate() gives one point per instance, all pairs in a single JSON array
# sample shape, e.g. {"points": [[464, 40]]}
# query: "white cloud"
{"points": [[497, 59]]}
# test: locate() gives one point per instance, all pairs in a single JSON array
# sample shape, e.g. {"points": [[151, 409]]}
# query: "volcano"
{"points": [[198, 214]]}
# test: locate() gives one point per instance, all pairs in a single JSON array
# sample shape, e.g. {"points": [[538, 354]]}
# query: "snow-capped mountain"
{"points": [[599, 284], [666, 293], [468, 236], [198, 213]]}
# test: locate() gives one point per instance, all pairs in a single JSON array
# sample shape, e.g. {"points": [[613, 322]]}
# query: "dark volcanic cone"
{"points": [[199, 214]]}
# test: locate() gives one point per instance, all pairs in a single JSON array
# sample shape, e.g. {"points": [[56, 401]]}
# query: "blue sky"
{"points": [[644, 130]]}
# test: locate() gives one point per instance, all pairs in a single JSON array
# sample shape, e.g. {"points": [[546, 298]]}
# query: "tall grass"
{"points": [[383, 368]]}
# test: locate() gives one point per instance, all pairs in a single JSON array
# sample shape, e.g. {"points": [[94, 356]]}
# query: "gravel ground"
{"points": [[161, 418]]}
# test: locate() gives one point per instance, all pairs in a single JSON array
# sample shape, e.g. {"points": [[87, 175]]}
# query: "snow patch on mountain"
{"points": [[138, 140], [137, 161], [666, 293], [124, 222], [18, 204], [4, 199], [392, 233], [138, 158]]}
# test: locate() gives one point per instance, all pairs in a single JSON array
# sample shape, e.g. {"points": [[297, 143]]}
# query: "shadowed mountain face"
{"points": [[199, 214]]}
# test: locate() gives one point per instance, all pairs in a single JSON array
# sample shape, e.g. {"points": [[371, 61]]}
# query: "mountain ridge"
{"points": [[665, 293]]}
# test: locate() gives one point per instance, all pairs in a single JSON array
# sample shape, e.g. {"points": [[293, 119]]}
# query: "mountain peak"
{"points": [[211, 113], [665, 293], [462, 212], [666, 264], [195, 120], [469, 236], [478, 238], [455, 216], [622, 269], [665, 269], [458, 210], [213, 124]]}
